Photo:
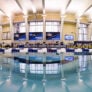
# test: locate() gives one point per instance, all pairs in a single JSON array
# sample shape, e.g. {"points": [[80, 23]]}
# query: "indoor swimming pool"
{"points": [[49, 72]]}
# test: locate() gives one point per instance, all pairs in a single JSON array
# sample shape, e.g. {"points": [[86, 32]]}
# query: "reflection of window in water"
{"points": [[91, 57], [22, 67], [38, 68], [83, 63], [7, 60]]}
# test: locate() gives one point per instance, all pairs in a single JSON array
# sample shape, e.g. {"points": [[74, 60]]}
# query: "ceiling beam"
{"points": [[3, 12], [43, 6], [18, 3], [65, 9], [90, 6], [43, 3], [68, 4], [33, 7]]}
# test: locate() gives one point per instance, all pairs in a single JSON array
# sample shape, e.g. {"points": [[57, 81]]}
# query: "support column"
{"points": [[89, 31], [77, 28], [26, 27], [44, 28], [1, 29], [11, 28], [62, 26]]}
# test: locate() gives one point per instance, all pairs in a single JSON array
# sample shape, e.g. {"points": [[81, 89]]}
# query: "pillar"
{"points": [[26, 27], [62, 26], [44, 28], [1, 29], [89, 30]]}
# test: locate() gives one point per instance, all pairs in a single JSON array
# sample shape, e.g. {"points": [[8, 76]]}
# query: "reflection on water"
{"points": [[83, 62], [66, 72]]}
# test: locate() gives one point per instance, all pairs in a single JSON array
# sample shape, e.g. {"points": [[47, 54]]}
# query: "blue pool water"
{"points": [[64, 73]]}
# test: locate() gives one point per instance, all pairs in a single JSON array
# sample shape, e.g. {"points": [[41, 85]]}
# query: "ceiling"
{"points": [[79, 7]]}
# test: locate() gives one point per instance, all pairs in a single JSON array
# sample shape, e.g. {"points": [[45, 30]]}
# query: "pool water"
{"points": [[72, 74]]}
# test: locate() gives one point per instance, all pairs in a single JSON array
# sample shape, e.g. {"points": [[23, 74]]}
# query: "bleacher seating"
{"points": [[2, 50], [14, 50]]}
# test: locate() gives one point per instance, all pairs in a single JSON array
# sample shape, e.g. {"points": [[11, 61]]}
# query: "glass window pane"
{"points": [[80, 30], [52, 26], [48, 23], [22, 24], [85, 31], [85, 37], [32, 23], [32, 29], [48, 29], [36, 27], [80, 37], [22, 29]]}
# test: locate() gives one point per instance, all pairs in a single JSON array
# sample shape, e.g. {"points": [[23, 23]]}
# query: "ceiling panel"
{"points": [[56, 5], [37, 4], [79, 6], [10, 7]]}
